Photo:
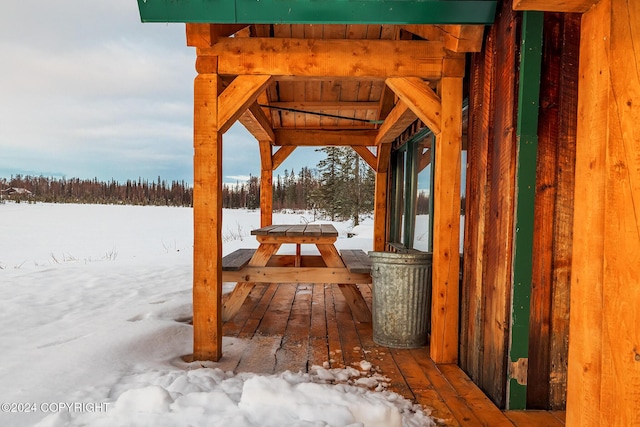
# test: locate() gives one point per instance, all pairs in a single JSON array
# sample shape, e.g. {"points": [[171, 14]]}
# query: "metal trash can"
{"points": [[401, 298]]}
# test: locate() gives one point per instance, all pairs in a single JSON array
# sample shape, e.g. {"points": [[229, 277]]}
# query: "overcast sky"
{"points": [[86, 90]]}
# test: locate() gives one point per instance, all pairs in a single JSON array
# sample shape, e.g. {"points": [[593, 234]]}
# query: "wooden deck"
{"points": [[293, 327]]}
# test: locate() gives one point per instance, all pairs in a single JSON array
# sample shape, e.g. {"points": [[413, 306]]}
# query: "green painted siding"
{"points": [[319, 11]]}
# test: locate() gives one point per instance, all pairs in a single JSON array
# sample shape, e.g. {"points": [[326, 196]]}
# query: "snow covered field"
{"points": [[94, 304]]}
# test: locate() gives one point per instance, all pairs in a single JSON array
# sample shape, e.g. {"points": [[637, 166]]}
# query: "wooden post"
{"points": [[266, 197], [604, 340], [380, 198], [207, 220], [446, 226], [266, 184]]}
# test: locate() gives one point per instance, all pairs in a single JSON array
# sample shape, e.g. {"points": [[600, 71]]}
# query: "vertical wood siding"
{"points": [[549, 322], [490, 204], [487, 281]]}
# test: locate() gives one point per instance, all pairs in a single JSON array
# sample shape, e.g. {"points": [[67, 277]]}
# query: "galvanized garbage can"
{"points": [[401, 298]]}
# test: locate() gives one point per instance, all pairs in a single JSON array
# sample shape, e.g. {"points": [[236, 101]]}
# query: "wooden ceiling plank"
{"points": [[285, 93], [281, 155], [366, 155], [326, 105], [237, 97], [313, 91], [424, 102], [579, 6], [299, 94], [324, 137], [395, 123], [257, 123], [330, 92], [328, 58]]}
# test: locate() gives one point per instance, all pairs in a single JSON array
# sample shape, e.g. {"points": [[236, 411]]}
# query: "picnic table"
{"points": [[263, 265]]}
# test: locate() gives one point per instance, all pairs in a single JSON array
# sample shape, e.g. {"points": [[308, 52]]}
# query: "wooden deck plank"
{"points": [[259, 356], [383, 363], [349, 338], [560, 415], [333, 335], [233, 327], [251, 325], [293, 352], [292, 327], [477, 401], [456, 404], [275, 319], [425, 389], [318, 344], [533, 419]]}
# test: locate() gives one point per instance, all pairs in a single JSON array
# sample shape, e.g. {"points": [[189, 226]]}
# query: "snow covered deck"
{"points": [[293, 327]]}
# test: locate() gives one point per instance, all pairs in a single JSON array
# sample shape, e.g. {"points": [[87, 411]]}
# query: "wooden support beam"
{"points": [[281, 155], [380, 210], [422, 100], [335, 275], [266, 184], [328, 58], [387, 102], [569, 6], [207, 221], [396, 122], [384, 157], [237, 97], [324, 138], [446, 226], [206, 35], [366, 155], [380, 198], [604, 344], [257, 123], [266, 156], [456, 38], [266, 197]]}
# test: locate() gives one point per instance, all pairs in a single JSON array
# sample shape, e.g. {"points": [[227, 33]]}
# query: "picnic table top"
{"points": [[296, 230]]}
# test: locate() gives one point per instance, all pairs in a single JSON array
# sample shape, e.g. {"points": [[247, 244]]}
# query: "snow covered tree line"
{"points": [[93, 191], [340, 188]]}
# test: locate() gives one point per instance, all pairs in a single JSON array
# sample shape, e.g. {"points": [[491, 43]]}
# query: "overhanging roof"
{"points": [[319, 11]]}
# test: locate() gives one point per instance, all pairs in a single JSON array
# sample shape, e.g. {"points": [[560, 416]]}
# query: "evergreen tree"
{"points": [[329, 197]]}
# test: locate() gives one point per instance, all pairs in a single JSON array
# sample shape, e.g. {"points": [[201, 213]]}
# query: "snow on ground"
{"points": [[94, 305]]}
